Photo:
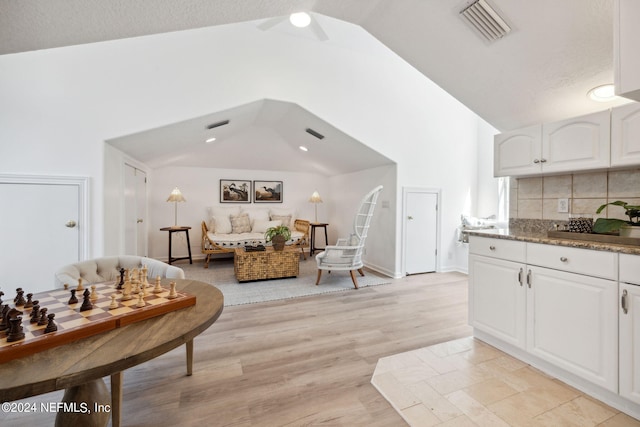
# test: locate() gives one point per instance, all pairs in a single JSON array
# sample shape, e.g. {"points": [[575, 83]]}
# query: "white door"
{"points": [[43, 229], [421, 226], [135, 198]]}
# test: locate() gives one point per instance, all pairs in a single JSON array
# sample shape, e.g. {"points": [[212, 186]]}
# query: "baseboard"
{"points": [[382, 270]]}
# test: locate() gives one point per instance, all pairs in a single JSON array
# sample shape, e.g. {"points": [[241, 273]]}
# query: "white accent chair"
{"points": [[346, 254], [108, 268]]}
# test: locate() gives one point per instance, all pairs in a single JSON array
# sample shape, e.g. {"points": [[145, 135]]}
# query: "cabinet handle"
{"points": [[623, 302], [493, 248], [529, 279], [543, 160], [564, 259], [536, 161], [520, 277]]}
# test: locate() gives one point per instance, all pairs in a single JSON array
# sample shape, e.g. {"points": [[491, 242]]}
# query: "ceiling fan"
{"points": [[313, 25]]}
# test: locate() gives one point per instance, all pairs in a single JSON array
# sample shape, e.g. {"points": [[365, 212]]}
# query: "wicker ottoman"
{"points": [[268, 264]]}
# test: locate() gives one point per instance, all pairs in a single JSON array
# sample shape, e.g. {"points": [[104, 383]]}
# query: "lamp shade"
{"points": [[176, 196], [315, 198]]}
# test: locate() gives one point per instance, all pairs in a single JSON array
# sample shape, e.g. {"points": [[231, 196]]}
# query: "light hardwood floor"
{"points": [[306, 361]]}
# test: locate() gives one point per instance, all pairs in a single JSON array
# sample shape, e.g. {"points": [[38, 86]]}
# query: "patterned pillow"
{"points": [[240, 223]]}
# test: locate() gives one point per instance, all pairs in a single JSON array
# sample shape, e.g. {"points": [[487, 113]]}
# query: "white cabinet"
{"points": [[518, 152], [626, 39], [580, 143], [629, 312], [572, 323], [497, 298], [625, 135]]}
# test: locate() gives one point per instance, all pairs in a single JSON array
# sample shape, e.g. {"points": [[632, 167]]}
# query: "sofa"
{"points": [[228, 228], [108, 268]]}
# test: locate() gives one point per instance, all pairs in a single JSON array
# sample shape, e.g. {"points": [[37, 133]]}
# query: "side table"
{"points": [[172, 230], [315, 225]]}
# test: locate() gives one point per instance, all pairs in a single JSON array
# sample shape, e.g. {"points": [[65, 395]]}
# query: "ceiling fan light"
{"points": [[300, 19]]}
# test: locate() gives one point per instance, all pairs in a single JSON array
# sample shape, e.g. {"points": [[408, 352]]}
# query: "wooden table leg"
{"points": [[116, 398], [85, 405], [189, 346]]}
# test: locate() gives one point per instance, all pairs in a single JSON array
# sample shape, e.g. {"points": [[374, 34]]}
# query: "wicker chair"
{"points": [[346, 254]]}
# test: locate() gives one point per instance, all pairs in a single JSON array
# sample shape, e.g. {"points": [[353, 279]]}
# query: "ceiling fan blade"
{"points": [[317, 30], [271, 22]]}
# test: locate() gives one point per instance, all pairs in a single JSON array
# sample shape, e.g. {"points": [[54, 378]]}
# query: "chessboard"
{"points": [[71, 323]]}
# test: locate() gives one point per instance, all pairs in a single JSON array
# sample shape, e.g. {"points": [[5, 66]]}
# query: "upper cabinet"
{"points": [[625, 135], [518, 152], [626, 39], [580, 143]]}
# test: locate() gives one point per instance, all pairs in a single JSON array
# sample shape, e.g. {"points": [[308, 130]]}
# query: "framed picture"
{"points": [[267, 191], [235, 191]]}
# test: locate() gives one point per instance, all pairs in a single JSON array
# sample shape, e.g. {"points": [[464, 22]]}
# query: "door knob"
{"points": [[409, 217], [71, 223], [139, 220]]}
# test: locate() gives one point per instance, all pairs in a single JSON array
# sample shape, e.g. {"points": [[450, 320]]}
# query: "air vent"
{"points": [[314, 133], [486, 20], [218, 124]]}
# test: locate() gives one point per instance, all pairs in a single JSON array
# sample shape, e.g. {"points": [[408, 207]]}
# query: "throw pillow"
{"points": [[285, 219], [240, 223], [222, 224], [263, 226]]}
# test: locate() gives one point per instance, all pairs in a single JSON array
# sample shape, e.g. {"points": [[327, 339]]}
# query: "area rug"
{"points": [[220, 274]]}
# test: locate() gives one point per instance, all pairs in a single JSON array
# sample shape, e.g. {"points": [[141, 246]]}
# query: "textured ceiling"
{"points": [[540, 72]]}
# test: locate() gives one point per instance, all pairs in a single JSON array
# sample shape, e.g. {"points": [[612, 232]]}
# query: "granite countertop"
{"points": [[539, 237]]}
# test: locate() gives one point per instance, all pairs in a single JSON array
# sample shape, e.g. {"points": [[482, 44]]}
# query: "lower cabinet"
{"points": [[497, 303], [630, 342], [573, 323]]}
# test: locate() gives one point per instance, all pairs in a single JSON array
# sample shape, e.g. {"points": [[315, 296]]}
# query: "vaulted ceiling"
{"points": [[539, 72]]}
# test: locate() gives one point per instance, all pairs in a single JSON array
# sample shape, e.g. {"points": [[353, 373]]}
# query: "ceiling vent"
{"points": [[486, 20], [218, 124], [314, 133]]}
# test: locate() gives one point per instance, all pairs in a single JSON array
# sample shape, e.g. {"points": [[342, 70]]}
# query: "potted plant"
{"points": [[630, 228], [277, 236]]}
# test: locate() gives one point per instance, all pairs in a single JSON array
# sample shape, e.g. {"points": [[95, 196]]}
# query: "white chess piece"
{"points": [[172, 292], [94, 293], [158, 289], [141, 302], [114, 303]]}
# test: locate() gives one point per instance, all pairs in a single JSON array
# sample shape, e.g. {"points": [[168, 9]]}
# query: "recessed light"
{"points": [[603, 93], [300, 19], [303, 148], [210, 140]]}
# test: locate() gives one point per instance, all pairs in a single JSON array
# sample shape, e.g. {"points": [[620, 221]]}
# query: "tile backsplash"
{"points": [[537, 198]]}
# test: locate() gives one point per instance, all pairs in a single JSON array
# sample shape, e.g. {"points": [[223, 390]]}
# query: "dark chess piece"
{"points": [[35, 311], [43, 316], [17, 291], [86, 302], [16, 331], [20, 301], [1, 295], [121, 282], [51, 326], [73, 299], [29, 302], [4, 319]]}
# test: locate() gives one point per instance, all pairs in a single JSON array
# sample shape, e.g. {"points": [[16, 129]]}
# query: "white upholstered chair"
{"points": [[107, 268], [346, 254]]}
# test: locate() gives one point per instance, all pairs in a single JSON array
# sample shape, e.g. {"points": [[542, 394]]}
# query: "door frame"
{"points": [[405, 193], [82, 184], [142, 168]]}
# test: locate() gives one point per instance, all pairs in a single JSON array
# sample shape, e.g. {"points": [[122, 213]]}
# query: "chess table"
{"points": [[79, 366]]}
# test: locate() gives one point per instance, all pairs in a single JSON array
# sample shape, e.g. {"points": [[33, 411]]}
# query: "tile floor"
{"points": [[469, 383]]}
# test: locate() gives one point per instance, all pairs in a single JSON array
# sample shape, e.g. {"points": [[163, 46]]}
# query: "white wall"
{"points": [[63, 103]]}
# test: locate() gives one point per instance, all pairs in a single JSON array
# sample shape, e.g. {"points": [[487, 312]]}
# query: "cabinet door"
{"points": [[497, 298], [630, 343], [576, 144], [625, 135], [573, 323], [626, 37], [518, 152]]}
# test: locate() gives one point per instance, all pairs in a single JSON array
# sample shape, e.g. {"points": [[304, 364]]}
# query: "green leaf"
{"points": [[607, 225]]}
